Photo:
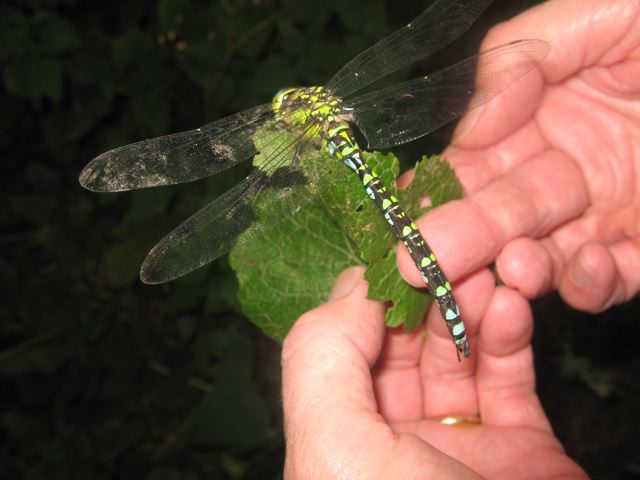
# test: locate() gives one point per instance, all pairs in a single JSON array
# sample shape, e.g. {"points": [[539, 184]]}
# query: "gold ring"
{"points": [[459, 420]]}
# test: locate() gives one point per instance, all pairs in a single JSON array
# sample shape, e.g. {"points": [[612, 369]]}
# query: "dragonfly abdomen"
{"points": [[342, 145]]}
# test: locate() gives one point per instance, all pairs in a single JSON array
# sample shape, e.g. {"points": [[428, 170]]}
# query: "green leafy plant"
{"points": [[290, 268]]}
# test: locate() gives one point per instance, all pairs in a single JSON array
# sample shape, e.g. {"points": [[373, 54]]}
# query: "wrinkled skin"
{"points": [[552, 167], [550, 170]]}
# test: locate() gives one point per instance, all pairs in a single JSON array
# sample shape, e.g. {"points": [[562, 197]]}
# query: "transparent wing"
{"points": [[178, 158], [222, 224], [436, 27], [409, 110]]}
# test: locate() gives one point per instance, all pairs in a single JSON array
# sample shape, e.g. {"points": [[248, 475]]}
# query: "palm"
{"points": [[503, 452], [554, 162]]}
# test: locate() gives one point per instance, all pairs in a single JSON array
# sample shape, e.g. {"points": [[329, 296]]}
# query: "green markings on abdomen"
{"points": [[341, 145]]}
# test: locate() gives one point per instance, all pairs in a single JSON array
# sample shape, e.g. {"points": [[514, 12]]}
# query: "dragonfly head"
{"points": [[299, 105], [291, 105], [283, 98]]}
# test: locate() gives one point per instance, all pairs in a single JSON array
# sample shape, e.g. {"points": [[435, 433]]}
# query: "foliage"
{"points": [[103, 377], [290, 269]]}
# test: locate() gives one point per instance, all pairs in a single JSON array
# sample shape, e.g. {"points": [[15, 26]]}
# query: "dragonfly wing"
{"points": [[435, 28], [224, 223], [177, 158], [409, 110]]}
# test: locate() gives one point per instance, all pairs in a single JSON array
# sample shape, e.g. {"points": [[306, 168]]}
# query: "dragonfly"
{"points": [[323, 117]]}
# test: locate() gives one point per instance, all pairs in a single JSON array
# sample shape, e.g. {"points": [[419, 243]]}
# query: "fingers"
{"points": [[505, 374], [626, 255], [503, 388], [477, 168], [589, 280], [598, 277], [449, 386], [421, 369], [500, 382], [528, 201], [526, 265], [592, 279], [584, 250]]}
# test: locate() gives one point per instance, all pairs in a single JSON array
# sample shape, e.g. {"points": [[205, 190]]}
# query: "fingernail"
{"points": [[581, 274], [346, 282]]}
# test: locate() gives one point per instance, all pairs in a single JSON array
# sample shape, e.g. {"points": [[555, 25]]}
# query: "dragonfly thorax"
{"points": [[299, 106]]}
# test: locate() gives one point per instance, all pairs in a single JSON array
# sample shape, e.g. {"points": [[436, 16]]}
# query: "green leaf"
{"points": [[291, 266], [407, 304], [290, 269], [434, 176]]}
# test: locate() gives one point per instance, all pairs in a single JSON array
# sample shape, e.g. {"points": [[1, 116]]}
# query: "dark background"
{"points": [[103, 377]]}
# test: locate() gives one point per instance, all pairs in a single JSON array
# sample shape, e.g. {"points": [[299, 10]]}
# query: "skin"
{"points": [[550, 170]]}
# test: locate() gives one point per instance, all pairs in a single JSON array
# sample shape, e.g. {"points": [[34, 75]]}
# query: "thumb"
{"points": [[326, 377], [337, 340]]}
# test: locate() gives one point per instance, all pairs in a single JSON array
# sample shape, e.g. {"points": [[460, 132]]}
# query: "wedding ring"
{"points": [[459, 420]]}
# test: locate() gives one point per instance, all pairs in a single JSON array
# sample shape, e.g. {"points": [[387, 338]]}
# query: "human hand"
{"points": [[551, 167], [364, 402]]}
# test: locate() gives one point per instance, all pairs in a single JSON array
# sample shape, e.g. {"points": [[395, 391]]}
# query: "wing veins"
{"points": [[432, 30], [218, 227], [180, 157], [409, 110]]}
